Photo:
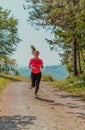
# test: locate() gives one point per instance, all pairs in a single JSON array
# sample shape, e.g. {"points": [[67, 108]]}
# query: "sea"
{"points": [[58, 72]]}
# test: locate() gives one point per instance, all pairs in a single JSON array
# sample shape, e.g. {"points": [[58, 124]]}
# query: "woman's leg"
{"points": [[38, 78], [33, 79]]}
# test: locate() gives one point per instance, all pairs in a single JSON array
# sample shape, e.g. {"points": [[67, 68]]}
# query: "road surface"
{"points": [[52, 110]]}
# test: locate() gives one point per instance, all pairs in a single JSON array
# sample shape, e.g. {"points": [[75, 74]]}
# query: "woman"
{"points": [[35, 64]]}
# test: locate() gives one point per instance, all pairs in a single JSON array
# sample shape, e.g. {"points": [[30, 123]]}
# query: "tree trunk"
{"points": [[79, 62], [74, 55], [82, 53]]}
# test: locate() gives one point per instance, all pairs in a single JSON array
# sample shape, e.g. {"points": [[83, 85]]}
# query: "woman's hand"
{"points": [[33, 67]]}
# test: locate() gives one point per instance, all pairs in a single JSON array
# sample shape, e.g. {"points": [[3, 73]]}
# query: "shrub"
{"points": [[47, 77], [82, 77]]}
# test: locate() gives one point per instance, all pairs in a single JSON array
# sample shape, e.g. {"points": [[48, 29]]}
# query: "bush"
{"points": [[47, 77], [82, 77]]}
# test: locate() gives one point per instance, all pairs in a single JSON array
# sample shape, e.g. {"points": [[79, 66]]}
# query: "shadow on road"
{"points": [[16, 122], [74, 108], [45, 100], [78, 114], [50, 102]]}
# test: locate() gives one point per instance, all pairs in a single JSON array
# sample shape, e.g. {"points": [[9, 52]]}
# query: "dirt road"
{"points": [[53, 110]]}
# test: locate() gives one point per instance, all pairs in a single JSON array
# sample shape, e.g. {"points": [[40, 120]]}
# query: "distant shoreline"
{"points": [[57, 71]]}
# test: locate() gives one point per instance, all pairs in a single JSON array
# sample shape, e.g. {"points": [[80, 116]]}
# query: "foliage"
{"points": [[47, 77], [8, 40], [9, 66], [66, 19], [74, 85]]}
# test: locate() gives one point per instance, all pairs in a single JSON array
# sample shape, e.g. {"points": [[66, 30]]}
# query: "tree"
{"points": [[9, 66], [8, 39], [66, 18]]}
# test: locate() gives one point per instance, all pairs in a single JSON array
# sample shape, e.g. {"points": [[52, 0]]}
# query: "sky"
{"points": [[30, 36]]}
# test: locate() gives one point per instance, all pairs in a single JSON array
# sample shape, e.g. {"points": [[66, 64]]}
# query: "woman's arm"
{"points": [[34, 67], [29, 66], [42, 66]]}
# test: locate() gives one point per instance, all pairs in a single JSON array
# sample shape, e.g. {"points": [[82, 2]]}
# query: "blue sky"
{"points": [[30, 36]]}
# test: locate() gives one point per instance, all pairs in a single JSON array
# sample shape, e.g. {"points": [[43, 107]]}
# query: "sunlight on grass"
{"points": [[3, 82], [73, 85], [76, 88], [5, 79]]}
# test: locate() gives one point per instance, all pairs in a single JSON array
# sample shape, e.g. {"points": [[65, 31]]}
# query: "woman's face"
{"points": [[36, 53]]}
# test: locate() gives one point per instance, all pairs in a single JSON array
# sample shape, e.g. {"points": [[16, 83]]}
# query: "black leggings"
{"points": [[35, 79]]}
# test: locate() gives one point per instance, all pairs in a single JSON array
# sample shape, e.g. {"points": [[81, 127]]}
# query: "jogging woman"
{"points": [[35, 64]]}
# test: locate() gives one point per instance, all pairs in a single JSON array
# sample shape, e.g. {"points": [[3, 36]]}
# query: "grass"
{"points": [[3, 82], [74, 85], [5, 79], [75, 88]]}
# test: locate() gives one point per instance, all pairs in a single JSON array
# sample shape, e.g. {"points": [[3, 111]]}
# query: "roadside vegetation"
{"points": [[72, 84], [47, 78], [6, 79], [75, 85]]}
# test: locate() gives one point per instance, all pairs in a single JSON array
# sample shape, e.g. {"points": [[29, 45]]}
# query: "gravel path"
{"points": [[53, 110]]}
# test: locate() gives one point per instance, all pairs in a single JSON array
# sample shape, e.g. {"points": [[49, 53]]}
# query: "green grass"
{"points": [[3, 82], [5, 79], [72, 85], [75, 85]]}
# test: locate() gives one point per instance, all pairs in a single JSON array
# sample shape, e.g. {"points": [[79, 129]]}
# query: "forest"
{"points": [[65, 19]]}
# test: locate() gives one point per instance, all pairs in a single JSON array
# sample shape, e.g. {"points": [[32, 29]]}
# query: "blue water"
{"points": [[57, 71]]}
